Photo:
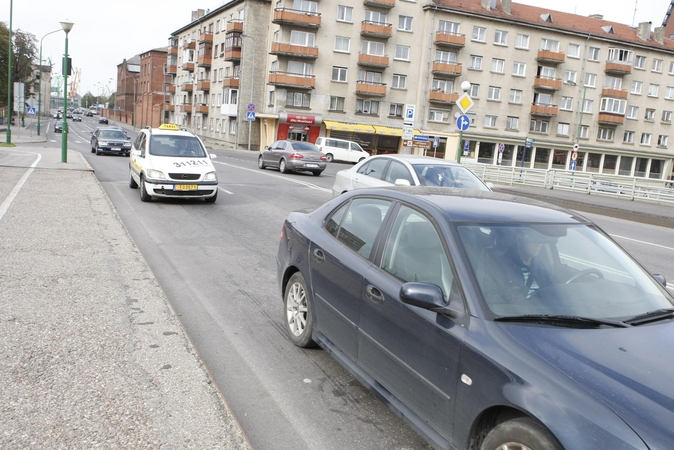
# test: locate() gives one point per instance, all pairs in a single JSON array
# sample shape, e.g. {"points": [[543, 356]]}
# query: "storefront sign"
{"points": [[300, 119]]}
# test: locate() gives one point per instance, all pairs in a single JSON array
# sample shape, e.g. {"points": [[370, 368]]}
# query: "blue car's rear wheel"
{"points": [[298, 314]]}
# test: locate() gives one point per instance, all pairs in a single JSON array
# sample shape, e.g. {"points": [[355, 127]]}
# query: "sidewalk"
{"points": [[92, 353]]}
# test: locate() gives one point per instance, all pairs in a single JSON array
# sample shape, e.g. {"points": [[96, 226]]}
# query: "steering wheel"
{"points": [[582, 273]]}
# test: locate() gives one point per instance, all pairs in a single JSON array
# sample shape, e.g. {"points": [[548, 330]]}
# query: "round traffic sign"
{"points": [[574, 156], [251, 106]]}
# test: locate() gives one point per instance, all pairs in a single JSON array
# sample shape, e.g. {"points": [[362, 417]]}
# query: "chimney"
{"points": [[596, 16], [486, 4], [644, 30], [506, 5], [199, 13], [659, 35]]}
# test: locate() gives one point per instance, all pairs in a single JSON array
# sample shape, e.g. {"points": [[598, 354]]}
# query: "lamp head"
{"points": [[67, 26], [465, 85]]}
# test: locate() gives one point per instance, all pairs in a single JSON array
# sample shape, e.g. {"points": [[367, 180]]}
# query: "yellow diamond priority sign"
{"points": [[465, 103]]}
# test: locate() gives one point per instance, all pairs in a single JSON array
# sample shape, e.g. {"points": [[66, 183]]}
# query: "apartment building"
{"points": [[551, 90]]}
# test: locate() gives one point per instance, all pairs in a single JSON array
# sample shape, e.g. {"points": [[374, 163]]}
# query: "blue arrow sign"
{"points": [[463, 122], [31, 112], [250, 115], [420, 137]]}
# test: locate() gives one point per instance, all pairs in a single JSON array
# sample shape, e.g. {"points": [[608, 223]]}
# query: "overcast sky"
{"points": [[107, 32]]}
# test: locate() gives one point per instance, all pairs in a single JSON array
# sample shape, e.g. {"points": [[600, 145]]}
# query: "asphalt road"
{"points": [[216, 264]]}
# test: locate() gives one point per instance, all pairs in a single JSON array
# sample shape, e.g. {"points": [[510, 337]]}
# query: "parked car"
{"points": [[341, 150], [487, 321], [103, 120], [110, 140], [292, 156], [606, 186], [410, 170], [169, 163]]}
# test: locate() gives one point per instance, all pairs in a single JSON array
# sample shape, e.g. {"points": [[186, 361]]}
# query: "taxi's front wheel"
{"points": [[132, 182], [144, 196]]}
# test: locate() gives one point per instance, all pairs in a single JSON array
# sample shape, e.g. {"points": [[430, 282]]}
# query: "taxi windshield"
{"points": [[176, 146]]}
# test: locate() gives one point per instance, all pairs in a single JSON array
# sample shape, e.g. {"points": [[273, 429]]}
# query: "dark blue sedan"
{"points": [[486, 321]]}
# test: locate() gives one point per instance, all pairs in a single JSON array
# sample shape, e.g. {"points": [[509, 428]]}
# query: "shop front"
{"points": [[298, 127], [375, 139]]}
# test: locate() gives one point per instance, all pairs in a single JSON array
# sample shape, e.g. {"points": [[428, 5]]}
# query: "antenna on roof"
{"points": [[635, 12]]}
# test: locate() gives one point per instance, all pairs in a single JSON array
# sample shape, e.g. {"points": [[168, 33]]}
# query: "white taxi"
{"points": [[172, 163]]}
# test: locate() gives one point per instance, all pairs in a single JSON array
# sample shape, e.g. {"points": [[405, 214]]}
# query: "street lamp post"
{"points": [[9, 78], [67, 26], [252, 82], [39, 83]]}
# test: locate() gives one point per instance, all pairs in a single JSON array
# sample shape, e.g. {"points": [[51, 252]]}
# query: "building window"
{"points": [[339, 73], [657, 65], [372, 48], [628, 137], [570, 76], [232, 126], [620, 55], [542, 99], [479, 34], [302, 38], [404, 23], [448, 27], [344, 13], [566, 103], [445, 57], [636, 87], [494, 93], [369, 76], [640, 62], [399, 81], [645, 139], [497, 65], [367, 107], [613, 105], [501, 37], [490, 121], [584, 131], [573, 51], [519, 69], [669, 93], [515, 96], [337, 104], [587, 106], [512, 123], [662, 140], [395, 110], [613, 82], [563, 129], [342, 44], [653, 90], [632, 112], [593, 54], [475, 62], [650, 115], [522, 42], [605, 134], [550, 45], [666, 117], [671, 68], [446, 86], [590, 79], [375, 16], [298, 99], [438, 115], [402, 52], [539, 126], [474, 90]]}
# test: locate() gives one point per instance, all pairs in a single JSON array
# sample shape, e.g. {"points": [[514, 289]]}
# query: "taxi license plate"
{"points": [[313, 166], [185, 187]]}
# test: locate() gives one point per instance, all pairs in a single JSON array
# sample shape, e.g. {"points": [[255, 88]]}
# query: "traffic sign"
{"points": [[250, 115], [573, 165], [31, 112], [465, 103], [501, 147], [529, 143], [408, 132], [409, 113], [436, 141], [251, 106], [463, 122], [421, 137]]}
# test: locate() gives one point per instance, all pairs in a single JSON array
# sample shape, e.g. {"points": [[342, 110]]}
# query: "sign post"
{"points": [[528, 144], [463, 122], [408, 128]]}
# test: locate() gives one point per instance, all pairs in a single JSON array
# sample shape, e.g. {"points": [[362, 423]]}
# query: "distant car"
{"points": [[58, 127], [486, 321], [341, 150], [77, 118], [69, 115], [606, 186], [293, 156], [103, 120], [89, 114], [110, 140], [406, 170]]}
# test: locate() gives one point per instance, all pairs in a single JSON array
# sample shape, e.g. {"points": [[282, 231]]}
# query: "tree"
{"points": [[24, 52]]}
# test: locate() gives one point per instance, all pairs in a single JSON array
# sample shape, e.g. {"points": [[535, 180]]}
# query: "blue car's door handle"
{"points": [[374, 294], [318, 255]]}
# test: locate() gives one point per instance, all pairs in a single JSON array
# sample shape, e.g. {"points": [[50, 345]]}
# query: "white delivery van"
{"points": [[341, 150]]}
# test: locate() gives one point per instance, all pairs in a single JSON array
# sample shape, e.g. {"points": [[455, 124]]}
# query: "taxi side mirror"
{"points": [[212, 155]]}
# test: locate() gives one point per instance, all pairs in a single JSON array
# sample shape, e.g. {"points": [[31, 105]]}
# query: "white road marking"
{"points": [[641, 242], [280, 177], [10, 198], [225, 191]]}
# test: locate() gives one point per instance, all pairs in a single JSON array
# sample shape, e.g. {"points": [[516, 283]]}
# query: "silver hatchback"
{"points": [[295, 156]]}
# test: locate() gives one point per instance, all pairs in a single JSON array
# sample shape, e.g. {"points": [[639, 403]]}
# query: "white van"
{"points": [[341, 150]]}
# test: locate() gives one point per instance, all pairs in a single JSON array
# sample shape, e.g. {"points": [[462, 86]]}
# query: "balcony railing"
{"points": [[204, 85], [299, 51], [172, 69], [170, 107], [380, 3], [372, 60], [370, 88], [203, 109], [618, 67], [376, 29], [186, 107], [205, 60], [188, 87], [446, 68], [230, 82], [550, 56], [173, 50], [448, 39], [616, 93], [447, 98], [232, 53], [540, 109], [189, 44], [610, 119], [189, 66], [206, 37], [296, 17], [234, 26], [293, 80], [548, 83], [171, 88]]}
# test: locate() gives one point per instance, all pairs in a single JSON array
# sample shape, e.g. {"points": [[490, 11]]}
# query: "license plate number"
{"points": [[185, 187], [313, 166]]}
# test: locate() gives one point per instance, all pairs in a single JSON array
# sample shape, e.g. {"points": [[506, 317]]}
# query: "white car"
{"points": [[341, 150], [170, 163], [405, 170]]}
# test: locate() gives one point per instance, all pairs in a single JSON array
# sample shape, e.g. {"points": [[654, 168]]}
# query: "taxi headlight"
{"points": [[211, 176], [155, 174]]}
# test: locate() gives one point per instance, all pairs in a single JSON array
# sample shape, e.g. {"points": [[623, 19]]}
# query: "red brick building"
{"points": [[140, 89]]}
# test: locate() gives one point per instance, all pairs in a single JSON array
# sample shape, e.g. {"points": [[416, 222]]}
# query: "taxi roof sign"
{"points": [[169, 126]]}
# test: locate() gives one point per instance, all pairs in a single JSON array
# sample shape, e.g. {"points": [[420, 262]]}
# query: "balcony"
{"points": [[539, 109], [230, 82], [372, 60], [376, 29], [446, 68], [232, 53], [298, 51], [205, 60], [610, 119], [296, 17], [190, 45], [553, 84], [618, 68], [447, 39], [172, 69], [203, 109], [173, 51], [234, 26], [615, 93], [446, 98], [187, 87], [189, 66], [548, 56], [380, 3], [171, 108], [171, 88], [204, 85], [292, 80], [187, 108], [370, 88], [206, 37]]}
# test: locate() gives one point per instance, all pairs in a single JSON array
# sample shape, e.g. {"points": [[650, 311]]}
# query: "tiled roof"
{"points": [[534, 15]]}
